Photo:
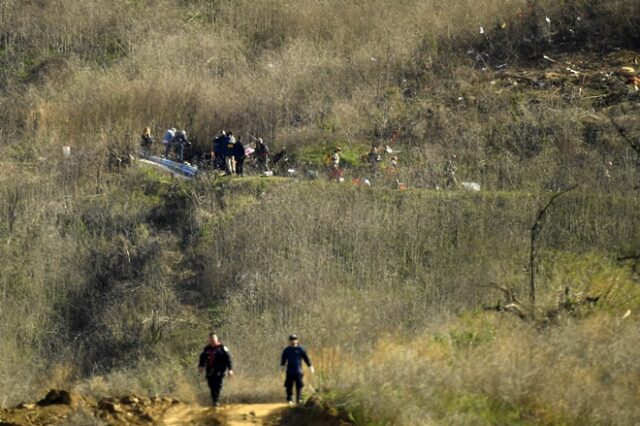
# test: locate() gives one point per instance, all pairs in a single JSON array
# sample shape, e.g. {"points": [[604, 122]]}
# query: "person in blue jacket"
{"points": [[291, 362]]}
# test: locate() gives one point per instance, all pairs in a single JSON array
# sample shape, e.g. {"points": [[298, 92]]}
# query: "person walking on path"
{"points": [[215, 361], [291, 362]]}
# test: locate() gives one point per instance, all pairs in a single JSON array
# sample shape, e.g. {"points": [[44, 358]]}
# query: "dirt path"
{"points": [[189, 414], [252, 414], [230, 415], [133, 410]]}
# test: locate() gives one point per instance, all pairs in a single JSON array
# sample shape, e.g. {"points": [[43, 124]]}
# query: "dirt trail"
{"points": [[189, 414], [253, 414], [230, 415], [61, 408]]}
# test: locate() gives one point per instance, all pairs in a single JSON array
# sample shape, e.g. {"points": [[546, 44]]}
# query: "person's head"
{"points": [[230, 133], [338, 149], [147, 131], [293, 340], [173, 129], [223, 133], [259, 140], [213, 339]]}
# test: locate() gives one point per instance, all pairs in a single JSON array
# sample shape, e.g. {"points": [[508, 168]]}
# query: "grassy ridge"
{"points": [[101, 71]]}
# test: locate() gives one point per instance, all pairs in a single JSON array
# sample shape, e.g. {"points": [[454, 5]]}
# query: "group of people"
{"points": [[229, 153], [172, 140], [215, 363]]}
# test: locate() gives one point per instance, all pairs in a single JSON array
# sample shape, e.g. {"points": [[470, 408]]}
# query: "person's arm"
{"points": [[203, 361], [229, 361], [283, 359], [307, 361]]}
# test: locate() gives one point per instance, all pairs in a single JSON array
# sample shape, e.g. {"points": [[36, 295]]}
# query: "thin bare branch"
{"points": [[623, 134], [535, 229]]}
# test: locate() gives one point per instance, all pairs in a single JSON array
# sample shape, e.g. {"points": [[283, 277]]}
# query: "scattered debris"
{"points": [[26, 406], [574, 72], [471, 186], [627, 72]]}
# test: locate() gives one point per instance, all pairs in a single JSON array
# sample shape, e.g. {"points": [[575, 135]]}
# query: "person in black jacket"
{"points": [[291, 360], [238, 154], [262, 154], [217, 150], [215, 360]]}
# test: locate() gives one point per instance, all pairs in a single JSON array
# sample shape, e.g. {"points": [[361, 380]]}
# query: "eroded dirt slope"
{"points": [[60, 407]]}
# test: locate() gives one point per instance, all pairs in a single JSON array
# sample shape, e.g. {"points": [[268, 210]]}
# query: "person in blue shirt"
{"points": [[291, 362]]}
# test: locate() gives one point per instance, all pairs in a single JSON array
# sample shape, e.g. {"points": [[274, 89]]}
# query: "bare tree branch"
{"points": [[623, 134], [535, 230]]}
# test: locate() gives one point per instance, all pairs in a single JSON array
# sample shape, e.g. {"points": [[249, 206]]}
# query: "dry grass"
{"points": [[112, 276]]}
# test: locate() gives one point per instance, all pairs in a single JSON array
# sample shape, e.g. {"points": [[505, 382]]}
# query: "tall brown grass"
{"points": [[488, 370]]}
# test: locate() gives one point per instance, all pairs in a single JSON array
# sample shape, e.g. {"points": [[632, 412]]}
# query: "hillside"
{"points": [[413, 299]]}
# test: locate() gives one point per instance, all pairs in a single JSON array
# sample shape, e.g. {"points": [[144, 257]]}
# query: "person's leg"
{"points": [[288, 384], [215, 384], [299, 386], [239, 164]]}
